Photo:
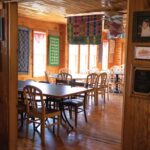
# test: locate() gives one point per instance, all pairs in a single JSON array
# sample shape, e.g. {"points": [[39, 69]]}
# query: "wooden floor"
{"points": [[102, 132]]}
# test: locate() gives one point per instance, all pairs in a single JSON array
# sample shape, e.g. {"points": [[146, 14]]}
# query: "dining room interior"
{"points": [[72, 75]]}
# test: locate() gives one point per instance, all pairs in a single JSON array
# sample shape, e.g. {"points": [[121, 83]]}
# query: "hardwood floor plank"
{"points": [[102, 132]]}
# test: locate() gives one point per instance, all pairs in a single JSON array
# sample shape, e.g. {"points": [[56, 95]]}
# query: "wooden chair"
{"points": [[101, 86], [37, 112], [76, 105], [64, 78], [73, 104], [47, 77], [91, 81], [64, 70]]}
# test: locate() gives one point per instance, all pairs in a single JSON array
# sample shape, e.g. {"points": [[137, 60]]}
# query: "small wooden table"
{"points": [[55, 91]]}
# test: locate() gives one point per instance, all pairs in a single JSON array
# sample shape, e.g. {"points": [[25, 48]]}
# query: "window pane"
{"points": [[73, 58], [83, 58], [93, 54], [105, 56], [39, 53]]}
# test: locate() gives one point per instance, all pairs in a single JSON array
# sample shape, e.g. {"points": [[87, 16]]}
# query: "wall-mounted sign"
{"points": [[54, 51]]}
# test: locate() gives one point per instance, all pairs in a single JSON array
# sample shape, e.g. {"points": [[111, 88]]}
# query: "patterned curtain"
{"points": [[23, 50], [84, 29]]}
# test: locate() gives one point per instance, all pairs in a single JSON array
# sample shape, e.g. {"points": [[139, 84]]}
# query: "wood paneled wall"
{"points": [[136, 125], [50, 29], [116, 53]]}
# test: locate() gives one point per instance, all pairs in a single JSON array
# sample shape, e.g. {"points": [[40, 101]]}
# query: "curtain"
{"points": [[84, 29], [23, 50]]}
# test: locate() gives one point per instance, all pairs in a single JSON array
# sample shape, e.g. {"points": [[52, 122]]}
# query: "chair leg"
{"points": [[54, 125], [58, 124], [76, 116], [43, 131], [103, 93], [107, 93], [70, 111], [33, 119], [85, 113], [22, 118], [27, 123]]}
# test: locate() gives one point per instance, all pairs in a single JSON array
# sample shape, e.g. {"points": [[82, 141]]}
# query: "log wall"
{"points": [[50, 29]]}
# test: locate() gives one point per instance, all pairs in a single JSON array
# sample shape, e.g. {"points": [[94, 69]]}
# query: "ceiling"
{"points": [[58, 10]]}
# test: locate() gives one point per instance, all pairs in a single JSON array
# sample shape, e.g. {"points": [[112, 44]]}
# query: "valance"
{"points": [[84, 29]]}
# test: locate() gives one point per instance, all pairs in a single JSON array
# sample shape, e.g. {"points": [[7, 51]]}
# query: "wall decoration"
{"points": [[84, 29], [115, 27], [141, 26], [1, 28], [54, 51], [142, 52], [23, 50], [141, 80]]}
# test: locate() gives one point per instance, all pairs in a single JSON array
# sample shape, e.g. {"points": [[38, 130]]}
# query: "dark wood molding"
{"points": [[8, 80]]}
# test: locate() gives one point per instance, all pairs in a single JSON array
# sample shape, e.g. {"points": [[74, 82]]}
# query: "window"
{"points": [[93, 56], [105, 56], [82, 58], [73, 58], [39, 53]]}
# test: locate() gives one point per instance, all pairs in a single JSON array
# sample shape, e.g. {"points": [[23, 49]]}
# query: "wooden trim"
{"points": [[88, 56], [12, 47], [78, 58]]}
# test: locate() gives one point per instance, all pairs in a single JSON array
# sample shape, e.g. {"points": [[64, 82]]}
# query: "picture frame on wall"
{"points": [[142, 52], [141, 80], [141, 26], [1, 28]]}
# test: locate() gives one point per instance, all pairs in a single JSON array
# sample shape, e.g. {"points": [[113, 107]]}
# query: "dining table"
{"points": [[60, 92]]}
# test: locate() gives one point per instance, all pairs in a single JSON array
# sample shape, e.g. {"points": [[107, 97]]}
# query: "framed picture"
{"points": [[141, 80], [142, 52], [1, 28], [141, 26]]}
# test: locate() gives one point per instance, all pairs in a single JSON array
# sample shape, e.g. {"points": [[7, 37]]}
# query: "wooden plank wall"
{"points": [[50, 29], [116, 53], [136, 124]]}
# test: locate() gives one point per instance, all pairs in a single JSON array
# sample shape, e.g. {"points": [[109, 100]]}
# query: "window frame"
{"points": [[46, 49], [79, 53]]}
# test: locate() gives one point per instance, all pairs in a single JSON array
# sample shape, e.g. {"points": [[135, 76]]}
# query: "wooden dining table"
{"points": [[55, 91]]}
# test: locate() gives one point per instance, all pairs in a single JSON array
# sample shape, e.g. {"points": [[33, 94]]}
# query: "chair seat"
{"points": [[73, 102], [75, 105]]}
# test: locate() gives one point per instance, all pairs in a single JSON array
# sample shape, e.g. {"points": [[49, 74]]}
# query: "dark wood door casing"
{"points": [[8, 78]]}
